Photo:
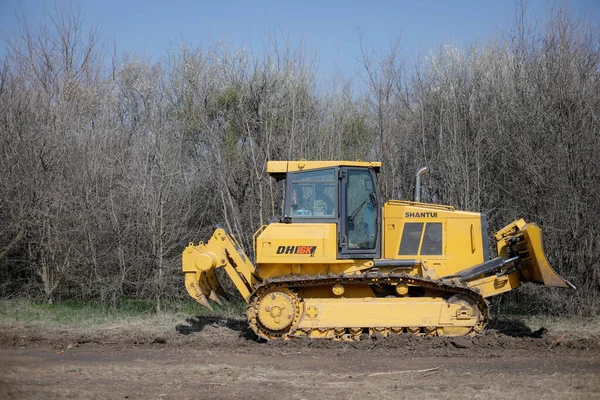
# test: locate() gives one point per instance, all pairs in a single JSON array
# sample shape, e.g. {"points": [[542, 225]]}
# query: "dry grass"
{"points": [[579, 325]]}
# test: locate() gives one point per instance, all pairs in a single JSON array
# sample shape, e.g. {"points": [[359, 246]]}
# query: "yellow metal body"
{"points": [[461, 236], [281, 167], [382, 313], [300, 286], [222, 251]]}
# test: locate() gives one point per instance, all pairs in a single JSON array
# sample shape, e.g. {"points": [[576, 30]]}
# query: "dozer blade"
{"points": [[527, 243], [536, 267]]}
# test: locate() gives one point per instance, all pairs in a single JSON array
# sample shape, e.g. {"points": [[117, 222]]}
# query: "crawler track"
{"points": [[289, 285]]}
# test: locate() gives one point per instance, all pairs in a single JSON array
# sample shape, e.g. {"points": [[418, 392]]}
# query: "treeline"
{"points": [[110, 164]]}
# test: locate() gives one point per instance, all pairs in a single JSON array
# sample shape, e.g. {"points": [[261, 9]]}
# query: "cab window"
{"points": [[313, 194], [362, 210]]}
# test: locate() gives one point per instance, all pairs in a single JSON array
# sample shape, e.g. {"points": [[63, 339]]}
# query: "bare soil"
{"points": [[216, 358]]}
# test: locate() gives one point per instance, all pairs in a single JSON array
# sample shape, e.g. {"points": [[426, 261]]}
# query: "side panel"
{"points": [[299, 249], [382, 312], [409, 229], [297, 243]]}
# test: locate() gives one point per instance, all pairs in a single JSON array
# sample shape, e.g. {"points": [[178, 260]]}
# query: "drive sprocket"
{"points": [[272, 313]]}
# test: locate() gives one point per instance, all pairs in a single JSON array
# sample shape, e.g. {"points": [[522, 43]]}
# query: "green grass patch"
{"points": [[92, 315]]}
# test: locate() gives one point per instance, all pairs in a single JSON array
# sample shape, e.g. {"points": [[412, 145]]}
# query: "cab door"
{"points": [[359, 235]]}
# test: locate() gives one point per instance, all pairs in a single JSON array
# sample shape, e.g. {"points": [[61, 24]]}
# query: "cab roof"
{"points": [[277, 168]]}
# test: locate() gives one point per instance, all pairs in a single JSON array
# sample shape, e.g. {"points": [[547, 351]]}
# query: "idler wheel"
{"points": [[468, 309]]}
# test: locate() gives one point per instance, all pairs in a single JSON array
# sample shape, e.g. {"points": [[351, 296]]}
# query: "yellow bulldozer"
{"points": [[339, 264]]}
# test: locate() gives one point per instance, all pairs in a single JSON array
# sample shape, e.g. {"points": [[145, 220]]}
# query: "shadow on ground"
{"points": [[509, 326], [197, 324], [514, 327]]}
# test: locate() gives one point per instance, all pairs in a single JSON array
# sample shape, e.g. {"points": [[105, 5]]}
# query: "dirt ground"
{"points": [[212, 358]]}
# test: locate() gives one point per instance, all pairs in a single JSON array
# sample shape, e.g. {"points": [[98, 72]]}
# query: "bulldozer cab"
{"points": [[345, 195]]}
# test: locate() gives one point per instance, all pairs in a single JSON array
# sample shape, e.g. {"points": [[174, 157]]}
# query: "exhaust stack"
{"points": [[417, 190]]}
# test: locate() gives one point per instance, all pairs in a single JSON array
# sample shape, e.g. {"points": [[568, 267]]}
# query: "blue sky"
{"points": [[329, 29]]}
